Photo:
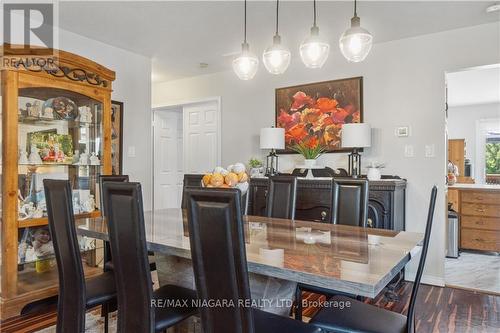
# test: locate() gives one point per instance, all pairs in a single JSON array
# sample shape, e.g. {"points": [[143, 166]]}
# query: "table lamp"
{"points": [[356, 136], [272, 138]]}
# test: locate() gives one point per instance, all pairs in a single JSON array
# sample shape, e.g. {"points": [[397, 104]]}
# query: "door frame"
{"points": [[181, 104]]}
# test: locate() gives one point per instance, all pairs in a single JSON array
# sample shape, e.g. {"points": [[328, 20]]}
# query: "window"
{"points": [[492, 158]]}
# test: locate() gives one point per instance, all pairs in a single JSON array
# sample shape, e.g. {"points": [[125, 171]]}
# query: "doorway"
{"points": [[186, 139], [473, 165]]}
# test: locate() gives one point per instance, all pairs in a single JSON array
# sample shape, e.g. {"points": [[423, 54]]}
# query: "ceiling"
{"points": [[178, 36], [474, 86]]}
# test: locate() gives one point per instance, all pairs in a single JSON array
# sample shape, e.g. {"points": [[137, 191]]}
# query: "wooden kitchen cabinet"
{"points": [[456, 154], [479, 209]]}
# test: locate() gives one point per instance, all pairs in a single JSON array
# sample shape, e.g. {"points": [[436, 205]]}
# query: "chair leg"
{"points": [[105, 310], [298, 303]]}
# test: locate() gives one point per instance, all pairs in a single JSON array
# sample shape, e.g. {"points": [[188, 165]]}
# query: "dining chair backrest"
{"points": [[71, 301], [349, 202], [125, 216], [425, 246], [281, 197], [216, 235], [109, 178]]}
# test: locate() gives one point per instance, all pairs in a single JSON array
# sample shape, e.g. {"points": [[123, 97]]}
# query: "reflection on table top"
{"points": [[342, 258]]}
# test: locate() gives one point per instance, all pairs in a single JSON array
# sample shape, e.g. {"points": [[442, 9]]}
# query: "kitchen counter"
{"points": [[463, 186], [478, 206]]}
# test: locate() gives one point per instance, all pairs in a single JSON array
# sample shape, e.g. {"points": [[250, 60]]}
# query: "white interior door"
{"points": [[168, 158], [201, 137]]}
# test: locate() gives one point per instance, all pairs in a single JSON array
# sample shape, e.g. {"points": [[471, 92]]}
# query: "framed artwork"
{"points": [[51, 146], [116, 137], [314, 113]]}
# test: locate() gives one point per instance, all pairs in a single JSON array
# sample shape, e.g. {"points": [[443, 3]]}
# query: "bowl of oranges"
{"points": [[234, 176]]}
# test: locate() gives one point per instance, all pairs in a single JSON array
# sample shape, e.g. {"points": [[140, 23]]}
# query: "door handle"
{"points": [[323, 215], [369, 222]]}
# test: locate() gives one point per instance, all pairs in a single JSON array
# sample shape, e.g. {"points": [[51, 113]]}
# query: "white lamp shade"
{"points": [[356, 135], [272, 138]]}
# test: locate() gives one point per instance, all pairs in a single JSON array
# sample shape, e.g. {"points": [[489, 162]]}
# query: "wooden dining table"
{"points": [[282, 253]]}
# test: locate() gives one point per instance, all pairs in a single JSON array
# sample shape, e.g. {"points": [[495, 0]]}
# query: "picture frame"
{"points": [[314, 113], [116, 138]]}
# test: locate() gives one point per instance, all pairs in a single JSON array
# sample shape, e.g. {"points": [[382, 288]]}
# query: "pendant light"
{"points": [[356, 42], [313, 50], [276, 58], [245, 65]]}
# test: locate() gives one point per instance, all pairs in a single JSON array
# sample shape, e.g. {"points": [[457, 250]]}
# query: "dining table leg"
{"points": [[268, 293]]}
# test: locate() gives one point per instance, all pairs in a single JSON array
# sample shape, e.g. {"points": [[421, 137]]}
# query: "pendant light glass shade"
{"points": [[246, 64], [313, 50], [356, 42], [277, 57]]}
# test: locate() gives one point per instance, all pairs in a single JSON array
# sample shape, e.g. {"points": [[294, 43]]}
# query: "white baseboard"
{"points": [[426, 279]]}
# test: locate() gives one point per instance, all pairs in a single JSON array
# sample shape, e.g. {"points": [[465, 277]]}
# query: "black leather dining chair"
{"points": [[108, 264], [216, 234], [136, 299], [76, 294], [349, 202], [281, 197], [349, 206], [361, 317]]}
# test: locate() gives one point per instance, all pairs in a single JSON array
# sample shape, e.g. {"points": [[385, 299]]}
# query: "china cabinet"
{"points": [[56, 124]]}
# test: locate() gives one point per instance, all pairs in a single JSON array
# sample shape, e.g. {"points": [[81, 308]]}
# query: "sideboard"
{"points": [[386, 200]]}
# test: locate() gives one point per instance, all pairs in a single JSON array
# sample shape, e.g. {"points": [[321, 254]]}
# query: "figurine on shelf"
{"points": [[94, 160], [48, 113], [85, 114], [58, 154], [23, 156], [37, 213], [34, 109], [76, 157], [88, 206], [42, 244], [34, 157], [84, 158], [77, 209], [26, 211]]}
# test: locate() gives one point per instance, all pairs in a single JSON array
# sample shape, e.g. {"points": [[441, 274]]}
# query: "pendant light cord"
{"points": [[314, 8], [355, 8], [245, 26], [277, 15]]}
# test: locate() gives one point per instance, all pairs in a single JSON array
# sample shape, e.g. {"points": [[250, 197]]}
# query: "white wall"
{"points": [[404, 84], [132, 87], [462, 125]]}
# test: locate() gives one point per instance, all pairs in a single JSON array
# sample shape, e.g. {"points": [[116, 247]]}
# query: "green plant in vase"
{"points": [[310, 149], [255, 166]]}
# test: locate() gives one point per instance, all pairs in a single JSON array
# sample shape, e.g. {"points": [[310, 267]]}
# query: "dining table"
{"points": [[282, 253]]}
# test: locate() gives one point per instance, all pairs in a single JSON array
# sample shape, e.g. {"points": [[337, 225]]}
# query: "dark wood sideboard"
{"points": [[386, 200]]}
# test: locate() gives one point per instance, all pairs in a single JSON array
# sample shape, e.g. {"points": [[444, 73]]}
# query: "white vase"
{"points": [[309, 163], [373, 174]]}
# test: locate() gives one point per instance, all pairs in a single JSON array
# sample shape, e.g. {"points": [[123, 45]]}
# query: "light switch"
{"points": [[430, 150], [131, 151], [409, 151]]}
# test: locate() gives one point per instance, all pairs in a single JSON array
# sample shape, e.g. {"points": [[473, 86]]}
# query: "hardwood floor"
{"points": [[438, 310]]}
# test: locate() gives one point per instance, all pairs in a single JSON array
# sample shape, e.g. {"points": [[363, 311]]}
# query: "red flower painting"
{"points": [[313, 114]]}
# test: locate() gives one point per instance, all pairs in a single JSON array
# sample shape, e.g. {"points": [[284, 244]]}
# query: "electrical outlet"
{"points": [[409, 151], [131, 151]]}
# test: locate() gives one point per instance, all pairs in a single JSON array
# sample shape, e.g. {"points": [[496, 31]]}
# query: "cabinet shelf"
{"points": [[71, 123], [42, 221]]}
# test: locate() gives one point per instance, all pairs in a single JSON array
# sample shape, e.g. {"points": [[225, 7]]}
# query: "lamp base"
{"points": [[272, 163], [355, 164]]}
